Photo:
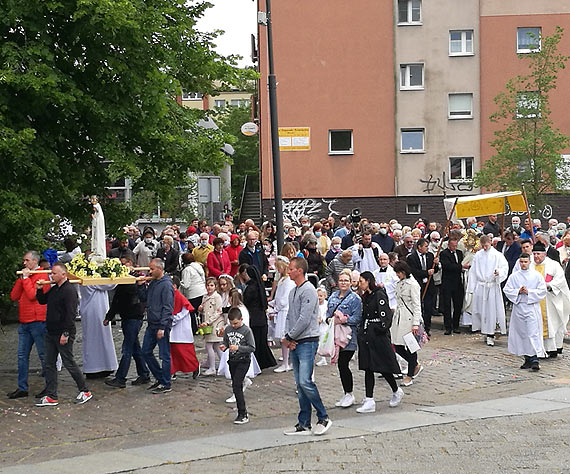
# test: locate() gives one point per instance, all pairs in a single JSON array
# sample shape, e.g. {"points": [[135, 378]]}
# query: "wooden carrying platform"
{"points": [[85, 281]]}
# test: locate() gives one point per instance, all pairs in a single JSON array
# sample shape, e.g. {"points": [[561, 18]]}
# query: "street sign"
{"points": [[208, 189], [249, 129]]}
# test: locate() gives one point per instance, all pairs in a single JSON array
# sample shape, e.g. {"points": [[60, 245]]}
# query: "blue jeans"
{"points": [[303, 359], [131, 349], [150, 341], [28, 335]]}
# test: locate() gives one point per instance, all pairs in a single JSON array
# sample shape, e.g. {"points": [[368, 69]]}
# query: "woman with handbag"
{"points": [[375, 353], [407, 318], [345, 305]]}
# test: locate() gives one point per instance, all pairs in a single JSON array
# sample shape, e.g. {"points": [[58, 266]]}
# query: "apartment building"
{"points": [[384, 106]]}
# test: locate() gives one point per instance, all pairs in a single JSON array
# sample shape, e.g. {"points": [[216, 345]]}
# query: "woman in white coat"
{"points": [[407, 318], [193, 285]]}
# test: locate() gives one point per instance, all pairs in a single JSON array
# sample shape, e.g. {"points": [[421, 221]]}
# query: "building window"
{"points": [[221, 103], [528, 40], [409, 12], [412, 140], [564, 172], [192, 95], [460, 106], [413, 208], [340, 142], [528, 105], [460, 169], [239, 102], [411, 76], [461, 43]]}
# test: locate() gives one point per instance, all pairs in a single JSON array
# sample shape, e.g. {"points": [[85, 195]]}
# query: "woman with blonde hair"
{"points": [[281, 305]]}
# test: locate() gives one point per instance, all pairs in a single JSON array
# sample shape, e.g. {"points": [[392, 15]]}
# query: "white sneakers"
{"points": [[396, 398], [232, 399], [282, 368], [210, 372], [490, 341], [247, 383], [346, 401], [322, 362], [368, 406]]}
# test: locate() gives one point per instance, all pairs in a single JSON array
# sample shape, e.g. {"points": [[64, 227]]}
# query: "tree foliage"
{"points": [[87, 92], [528, 146]]}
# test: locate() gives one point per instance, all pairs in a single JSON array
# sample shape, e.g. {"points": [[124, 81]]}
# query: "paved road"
{"points": [[459, 369]]}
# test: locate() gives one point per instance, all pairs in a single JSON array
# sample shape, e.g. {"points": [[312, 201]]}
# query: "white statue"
{"points": [[98, 249]]}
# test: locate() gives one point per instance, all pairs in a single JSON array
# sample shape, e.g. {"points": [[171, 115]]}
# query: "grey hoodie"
{"points": [[302, 318]]}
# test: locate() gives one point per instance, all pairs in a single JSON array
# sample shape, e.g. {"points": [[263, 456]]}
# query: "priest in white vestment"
{"points": [[526, 289], [99, 357], [555, 308], [386, 278], [489, 269]]}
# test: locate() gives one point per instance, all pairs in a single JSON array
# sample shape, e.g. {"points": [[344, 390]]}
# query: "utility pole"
{"points": [[272, 82]]}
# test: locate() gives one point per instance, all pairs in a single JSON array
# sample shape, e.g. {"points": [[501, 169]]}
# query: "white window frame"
{"points": [[464, 178], [192, 95], [407, 86], [412, 129], [528, 50], [217, 104], [409, 19], [463, 51], [463, 116], [566, 168], [416, 212], [342, 152]]}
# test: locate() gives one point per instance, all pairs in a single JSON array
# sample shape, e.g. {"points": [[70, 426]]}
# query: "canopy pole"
{"points": [[445, 231], [503, 219], [528, 214]]}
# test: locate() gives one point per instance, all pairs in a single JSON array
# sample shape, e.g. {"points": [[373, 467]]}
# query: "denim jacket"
{"points": [[352, 307]]}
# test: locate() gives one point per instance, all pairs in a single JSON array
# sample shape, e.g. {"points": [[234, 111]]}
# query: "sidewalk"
{"points": [[156, 455]]}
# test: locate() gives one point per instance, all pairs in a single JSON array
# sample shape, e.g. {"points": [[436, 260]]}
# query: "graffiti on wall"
{"points": [[545, 213], [294, 209], [442, 184]]}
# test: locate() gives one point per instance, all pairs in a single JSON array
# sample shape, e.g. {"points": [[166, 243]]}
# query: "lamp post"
{"points": [[272, 82]]}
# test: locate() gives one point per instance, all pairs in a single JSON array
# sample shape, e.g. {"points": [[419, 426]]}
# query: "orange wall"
{"points": [[334, 67], [499, 62]]}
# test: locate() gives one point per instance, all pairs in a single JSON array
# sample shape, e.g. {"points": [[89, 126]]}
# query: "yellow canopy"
{"points": [[485, 204]]}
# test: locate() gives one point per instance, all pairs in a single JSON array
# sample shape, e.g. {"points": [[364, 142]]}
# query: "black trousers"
{"points": [[344, 370], [52, 349], [427, 309], [238, 369], [411, 359], [369, 382], [451, 294]]}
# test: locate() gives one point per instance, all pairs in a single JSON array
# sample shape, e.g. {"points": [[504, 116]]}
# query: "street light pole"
{"points": [[272, 82]]}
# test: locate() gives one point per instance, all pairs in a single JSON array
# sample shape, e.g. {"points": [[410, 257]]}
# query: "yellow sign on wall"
{"points": [[294, 138]]}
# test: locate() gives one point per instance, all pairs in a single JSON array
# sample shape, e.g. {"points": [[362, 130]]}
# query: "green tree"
{"points": [[246, 157], [528, 146], [87, 92]]}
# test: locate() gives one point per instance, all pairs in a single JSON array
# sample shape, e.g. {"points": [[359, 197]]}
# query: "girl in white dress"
{"points": [[281, 306], [323, 326]]}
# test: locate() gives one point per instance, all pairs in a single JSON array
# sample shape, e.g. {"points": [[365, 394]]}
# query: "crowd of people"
{"points": [[376, 286]]}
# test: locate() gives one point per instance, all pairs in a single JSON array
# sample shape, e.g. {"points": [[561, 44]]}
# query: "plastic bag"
{"points": [[326, 342]]}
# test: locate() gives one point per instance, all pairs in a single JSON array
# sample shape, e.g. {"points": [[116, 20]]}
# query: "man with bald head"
{"points": [[253, 254], [32, 317]]}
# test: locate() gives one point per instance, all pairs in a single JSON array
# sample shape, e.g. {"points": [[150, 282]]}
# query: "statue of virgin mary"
{"points": [[98, 249]]}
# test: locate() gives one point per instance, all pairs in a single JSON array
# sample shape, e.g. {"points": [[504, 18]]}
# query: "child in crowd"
{"points": [[212, 316], [225, 284], [238, 338], [182, 353], [323, 326]]}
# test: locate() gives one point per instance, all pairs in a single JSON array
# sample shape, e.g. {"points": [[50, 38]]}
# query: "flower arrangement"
{"points": [[471, 241], [110, 268]]}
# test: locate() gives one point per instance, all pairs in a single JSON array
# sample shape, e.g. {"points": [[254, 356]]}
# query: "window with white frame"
{"points": [[528, 105], [409, 12], [340, 142], [528, 39], [411, 76], [412, 140], [239, 102], [413, 208], [220, 103], [460, 169], [192, 95], [564, 172], [460, 106], [461, 43]]}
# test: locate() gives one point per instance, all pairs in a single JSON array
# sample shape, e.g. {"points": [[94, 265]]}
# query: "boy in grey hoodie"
{"points": [[238, 338]]}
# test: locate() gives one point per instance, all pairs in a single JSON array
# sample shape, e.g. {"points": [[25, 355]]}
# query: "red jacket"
{"points": [[218, 263], [24, 292], [233, 254]]}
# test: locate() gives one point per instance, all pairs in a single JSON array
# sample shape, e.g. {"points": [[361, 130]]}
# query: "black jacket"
{"points": [[451, 269], [553, 254], [385, 241], [62, 304], [512, 254], [413, 261], [170, 259], [257, 258], [126, 303]]}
